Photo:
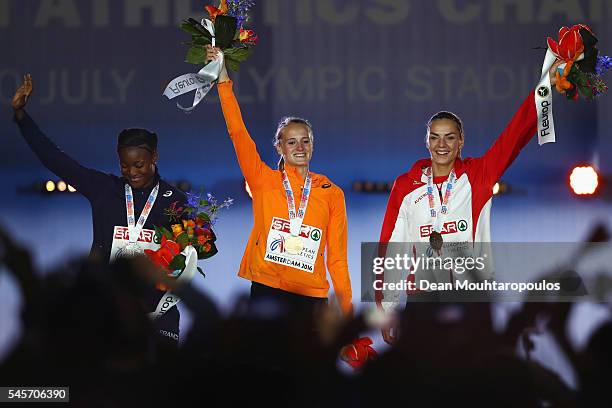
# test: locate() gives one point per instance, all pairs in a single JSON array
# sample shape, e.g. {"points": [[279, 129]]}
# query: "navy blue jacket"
{"points": [[105, 193]]}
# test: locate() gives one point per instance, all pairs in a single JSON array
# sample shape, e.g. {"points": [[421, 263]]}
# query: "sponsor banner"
{"points": [[280, 231]]}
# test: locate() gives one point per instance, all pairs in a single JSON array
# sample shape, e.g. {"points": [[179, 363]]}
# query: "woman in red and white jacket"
{"points": [[448, 199]]}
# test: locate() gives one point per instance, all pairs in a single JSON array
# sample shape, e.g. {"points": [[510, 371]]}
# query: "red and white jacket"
{"points": [[407, 218]]}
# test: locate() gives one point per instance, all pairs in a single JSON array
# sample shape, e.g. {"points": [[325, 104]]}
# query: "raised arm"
{"points": [[514, 138], [248, 158], [54, 159]]}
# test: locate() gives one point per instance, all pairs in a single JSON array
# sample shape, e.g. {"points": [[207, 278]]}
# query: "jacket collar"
{"points": [[292, 172], [156, 179], [417, 172]]}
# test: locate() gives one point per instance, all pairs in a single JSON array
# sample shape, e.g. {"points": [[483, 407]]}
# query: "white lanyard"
{"points": [[437, 215], [134, 229], [296, 219]]}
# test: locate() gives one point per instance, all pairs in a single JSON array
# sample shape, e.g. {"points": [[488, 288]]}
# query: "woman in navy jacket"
{"points": [[109, 195]]}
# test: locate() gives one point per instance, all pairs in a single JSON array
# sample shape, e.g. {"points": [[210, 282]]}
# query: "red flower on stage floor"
{"points": [[358, 352]]}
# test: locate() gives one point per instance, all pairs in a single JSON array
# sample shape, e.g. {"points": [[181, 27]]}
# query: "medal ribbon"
{"points": [[296, 218], [436, 215], [134, 228]]}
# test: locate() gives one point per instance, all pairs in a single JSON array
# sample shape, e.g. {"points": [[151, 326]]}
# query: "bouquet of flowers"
{"points": [[191, 225], [581, 73], [229, 34]]}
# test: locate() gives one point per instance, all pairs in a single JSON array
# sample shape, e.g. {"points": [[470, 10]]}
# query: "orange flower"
{"points": [[202, 240], [562, 83], [177, 229], [207, 247], [188, 224], [214, 11]]}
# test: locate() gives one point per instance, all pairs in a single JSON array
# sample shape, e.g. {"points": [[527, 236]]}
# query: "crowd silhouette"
{"points": [[86, 326]]}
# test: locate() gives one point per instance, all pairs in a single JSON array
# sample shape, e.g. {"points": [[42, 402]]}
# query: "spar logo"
{"points": [[306, 231], [123, 233], [448, 228], [543, 91]]}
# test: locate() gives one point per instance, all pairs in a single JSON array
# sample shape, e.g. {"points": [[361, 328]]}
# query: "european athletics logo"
{"points": [[279, 244]]}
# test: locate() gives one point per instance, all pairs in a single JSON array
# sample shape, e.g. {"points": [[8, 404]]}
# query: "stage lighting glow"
{"points": [[61, 186], [71, 189], [248, 189], [500, 188], [49, 186], [584, 180]]}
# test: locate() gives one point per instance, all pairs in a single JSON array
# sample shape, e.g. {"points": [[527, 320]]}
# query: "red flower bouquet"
{"points": [[576, 46], [191, 226]]}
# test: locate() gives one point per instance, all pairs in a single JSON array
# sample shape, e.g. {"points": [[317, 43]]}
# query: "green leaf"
{"points": [[586, 91], [193, 27], [182, 240], [159, 233], [199, 40], [225, 30], [232, 65], [206, 255], [238, 54], [177, 263], [204, 217], [196, 55]]}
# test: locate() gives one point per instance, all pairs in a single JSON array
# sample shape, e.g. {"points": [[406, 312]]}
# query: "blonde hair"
{"points": [[284, 122]]}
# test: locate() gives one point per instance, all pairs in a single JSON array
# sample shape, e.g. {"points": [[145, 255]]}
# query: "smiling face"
{"points": [[137, 165], [444, 142], [295, 145]]}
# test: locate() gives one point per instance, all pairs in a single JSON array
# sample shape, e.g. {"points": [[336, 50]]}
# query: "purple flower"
{"points": [[239, 9], [193, 200], [604, 63]]}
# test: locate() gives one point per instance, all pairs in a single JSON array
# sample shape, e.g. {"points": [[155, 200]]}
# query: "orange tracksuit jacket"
{"points": [[326, 210]]}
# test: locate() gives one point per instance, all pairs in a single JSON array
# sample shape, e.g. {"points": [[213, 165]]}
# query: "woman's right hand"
{"points": [[20, 99], [214, 53]]}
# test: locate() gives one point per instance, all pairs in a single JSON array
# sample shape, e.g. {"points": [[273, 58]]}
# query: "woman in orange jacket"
{"points": [[299, 215]]}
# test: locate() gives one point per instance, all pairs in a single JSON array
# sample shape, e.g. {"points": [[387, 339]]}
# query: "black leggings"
{"points": [[292, 303]]}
